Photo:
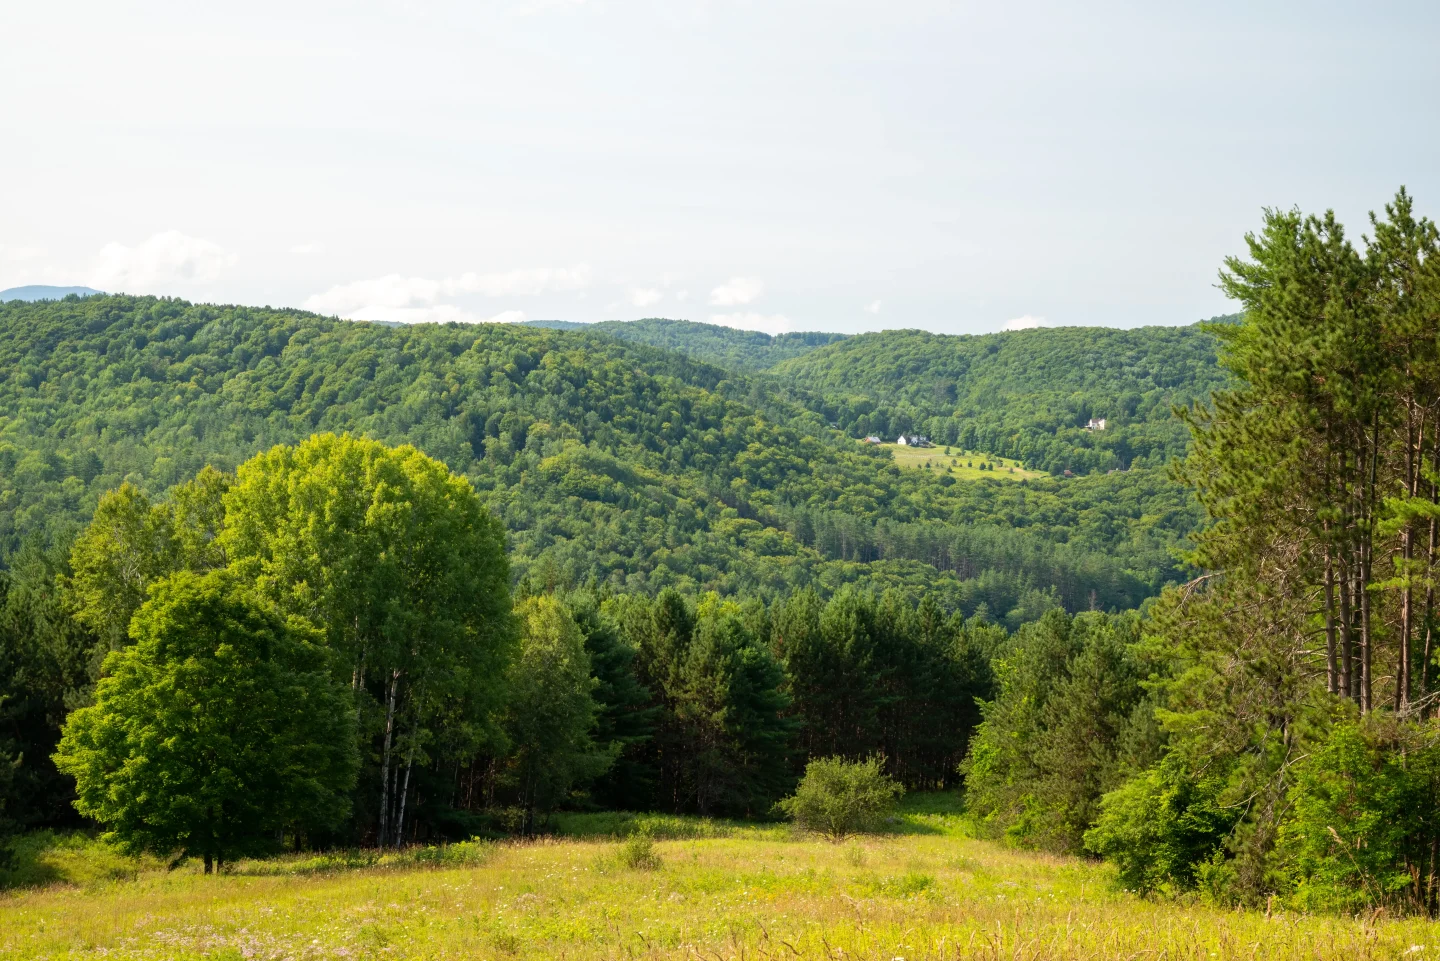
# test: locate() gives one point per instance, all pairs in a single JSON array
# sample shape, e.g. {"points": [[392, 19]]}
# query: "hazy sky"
{"points": [[779, 165]]}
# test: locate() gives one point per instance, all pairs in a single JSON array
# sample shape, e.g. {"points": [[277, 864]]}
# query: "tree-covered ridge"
{"points": [[727, 347], [1026, 394], [605, 460]]}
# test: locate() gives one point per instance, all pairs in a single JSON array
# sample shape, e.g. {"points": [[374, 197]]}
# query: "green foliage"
{"points": [[1060, 731], [626, 717], [1366, 823], [1297, 676], [637, 852], [130, 544], [550, 712], [724, 739], [740, 350], [48, 662], [877, 675], [606, 461], [219, 727], [405, 570], [839, 798], [1024, 394], [1161, 828]]}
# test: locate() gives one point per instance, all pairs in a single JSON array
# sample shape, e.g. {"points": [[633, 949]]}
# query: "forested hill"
{"points": [[1025, 394], [739, 350], [607, 460]]}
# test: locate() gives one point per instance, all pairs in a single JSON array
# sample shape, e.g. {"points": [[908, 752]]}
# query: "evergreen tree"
{"points": [[626, 717]]}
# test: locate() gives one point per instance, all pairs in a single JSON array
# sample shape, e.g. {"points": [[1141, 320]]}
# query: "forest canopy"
{"points": [[608, 462]]}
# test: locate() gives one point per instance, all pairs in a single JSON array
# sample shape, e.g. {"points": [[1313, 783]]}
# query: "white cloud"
{"points": [[164, 260], [308, 249], [1028, 322], [738, 291], [873, 307], [405, 300], [645, 296], [683, 296], [391, 292], [14, 252], [769, 323], [417, 300], [521, 283]]}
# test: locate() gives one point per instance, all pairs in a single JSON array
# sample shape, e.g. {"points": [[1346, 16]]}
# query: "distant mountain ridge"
{"points": [[727, 347], [34, 292]]}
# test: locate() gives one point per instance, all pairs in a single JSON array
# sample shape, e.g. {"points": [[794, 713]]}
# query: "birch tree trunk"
{"points": [[385, 756]]}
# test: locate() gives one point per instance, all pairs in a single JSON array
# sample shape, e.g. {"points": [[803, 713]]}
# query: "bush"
{"points": [[1164, 829], [638, 852], [1366, 823], [838, 798]]}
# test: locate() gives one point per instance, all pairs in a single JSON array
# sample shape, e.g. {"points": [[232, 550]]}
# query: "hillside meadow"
{"points": [[721, 890], [962, 465]]}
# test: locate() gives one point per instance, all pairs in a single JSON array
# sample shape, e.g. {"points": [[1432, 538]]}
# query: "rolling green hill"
{"points": [[1024, 394], [608, 461], [738, 350]]}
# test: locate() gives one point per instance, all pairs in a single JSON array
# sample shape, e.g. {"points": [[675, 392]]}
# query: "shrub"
{"points": [[1366, 824], [1164, 829], [638, 852], [838, 798]]}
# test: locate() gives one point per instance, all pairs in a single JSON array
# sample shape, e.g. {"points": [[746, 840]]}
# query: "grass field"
{"points": [[925, 891], [961, 465]]}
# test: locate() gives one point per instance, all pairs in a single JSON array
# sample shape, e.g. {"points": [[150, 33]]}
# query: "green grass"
{"points": [[50, 857], [961, 465], [704, 889]]}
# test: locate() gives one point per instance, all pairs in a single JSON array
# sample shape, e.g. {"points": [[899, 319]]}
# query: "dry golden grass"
{"points": [[743, 893], [961, 465]]}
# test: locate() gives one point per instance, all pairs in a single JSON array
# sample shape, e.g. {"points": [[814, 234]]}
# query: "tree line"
{"points": [[1269, 729], [324, 647]]}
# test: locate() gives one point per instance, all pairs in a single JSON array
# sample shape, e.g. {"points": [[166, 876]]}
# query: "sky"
{"points": [[959, 167]]}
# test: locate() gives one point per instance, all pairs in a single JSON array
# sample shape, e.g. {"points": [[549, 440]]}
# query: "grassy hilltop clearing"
{"points": [[962, 465], [924, 891]]}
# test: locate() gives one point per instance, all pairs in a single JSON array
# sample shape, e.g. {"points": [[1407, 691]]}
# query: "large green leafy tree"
{"points": [[220, 726], [406, 571], [130, 543]]}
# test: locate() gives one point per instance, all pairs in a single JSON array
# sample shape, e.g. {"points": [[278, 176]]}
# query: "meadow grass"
{"points": [[961, 465], [727, 890]]}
